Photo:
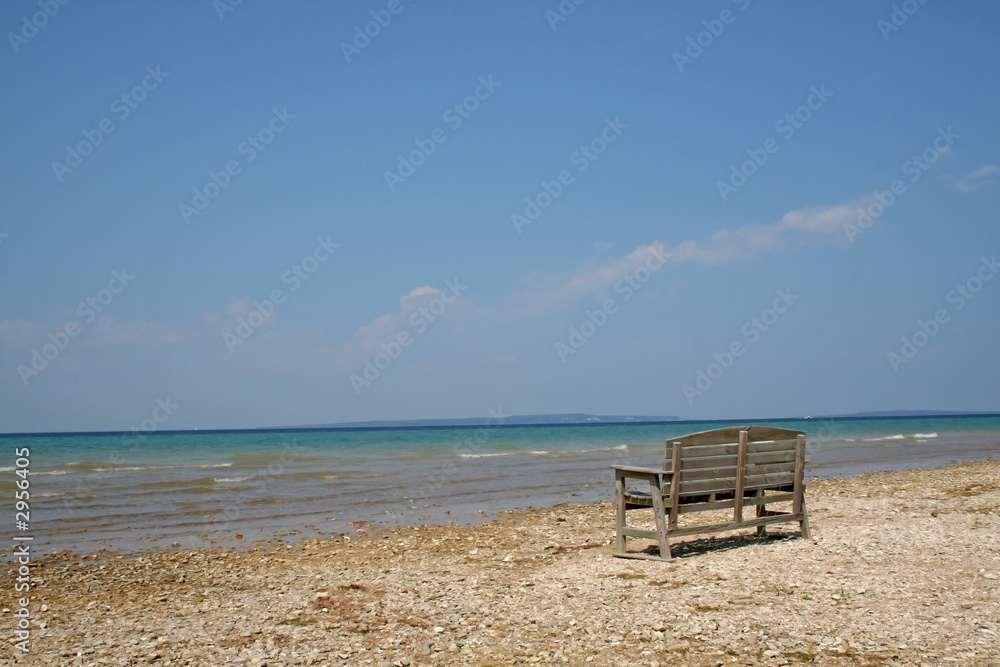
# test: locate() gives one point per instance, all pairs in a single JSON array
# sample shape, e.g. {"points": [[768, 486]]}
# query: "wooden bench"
{"points": [[727, 468]]}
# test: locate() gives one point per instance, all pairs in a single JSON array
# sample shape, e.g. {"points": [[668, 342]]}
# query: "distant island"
{"points": [[908, 413], [513, 420]]}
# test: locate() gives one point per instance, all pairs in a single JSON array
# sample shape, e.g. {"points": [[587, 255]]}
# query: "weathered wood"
{"points": [[741, 477], [733, 447], [804, 523], [635, 501], [675, 482], [769, 468], [661, 521], [730, 468], [771, 457], [709, 462], [734, 525], [641, 473], [761, 511], [619, 511], [707, 486], [800, 464], [638, 532], [707, 473]]}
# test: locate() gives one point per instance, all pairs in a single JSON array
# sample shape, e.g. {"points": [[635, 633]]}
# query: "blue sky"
{"points": [[424, 278]]}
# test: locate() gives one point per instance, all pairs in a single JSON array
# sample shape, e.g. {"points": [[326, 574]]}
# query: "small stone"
{"points": [[438, 629], [659, 627]]}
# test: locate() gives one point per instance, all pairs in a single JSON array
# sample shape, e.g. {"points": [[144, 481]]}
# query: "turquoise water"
{"points": [[129, 492]]}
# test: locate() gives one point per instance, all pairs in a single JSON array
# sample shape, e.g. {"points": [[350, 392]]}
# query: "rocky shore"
{"points": [[903, 570]]}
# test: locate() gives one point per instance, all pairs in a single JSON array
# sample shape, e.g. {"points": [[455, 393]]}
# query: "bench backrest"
{"points": [[711, 461]]}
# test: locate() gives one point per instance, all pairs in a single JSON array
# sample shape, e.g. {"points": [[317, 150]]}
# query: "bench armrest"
{"points": [[642, 473]]}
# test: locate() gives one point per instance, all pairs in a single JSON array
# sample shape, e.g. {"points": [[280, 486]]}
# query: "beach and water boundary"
{"points": [[128, 492]]}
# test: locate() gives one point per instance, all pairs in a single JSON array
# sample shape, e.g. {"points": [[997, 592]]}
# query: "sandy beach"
{"points": [[903, 569]]}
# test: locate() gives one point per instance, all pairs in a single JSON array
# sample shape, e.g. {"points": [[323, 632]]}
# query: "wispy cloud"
{"points": [[109, 330], [798, 228], [977, 179], [554, 291], [382, 329]]}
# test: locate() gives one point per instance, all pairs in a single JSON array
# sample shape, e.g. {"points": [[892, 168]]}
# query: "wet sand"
{"points": [[903, 570]]}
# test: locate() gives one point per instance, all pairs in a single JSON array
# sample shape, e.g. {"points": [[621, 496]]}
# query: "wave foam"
{"points": [[902, 436]]}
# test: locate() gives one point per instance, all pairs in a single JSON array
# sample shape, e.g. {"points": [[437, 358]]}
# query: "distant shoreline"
{"points": [[483, 422]]}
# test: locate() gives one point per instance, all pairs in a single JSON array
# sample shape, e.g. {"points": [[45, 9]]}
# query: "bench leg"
{"points": [[804, 524], [619, 513], [660, 516], [761, 511]]}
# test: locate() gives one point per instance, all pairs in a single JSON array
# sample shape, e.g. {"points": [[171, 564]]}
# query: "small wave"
{"points": [[354, 476], [616, 448], [138, 468], [51, 472], [487, 456], [904, 436], [6, 468], [544, 452], [223, 480]]}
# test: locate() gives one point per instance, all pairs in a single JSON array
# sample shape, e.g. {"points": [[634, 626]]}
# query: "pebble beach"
{"points": [[903, 569]]}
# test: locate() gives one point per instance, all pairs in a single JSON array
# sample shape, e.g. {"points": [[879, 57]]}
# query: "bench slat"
{"points": [[698, 451], [772, 457], [643, 500], [709, 462], [729, 484], [732, 525], [708, 473], [768, 468]]}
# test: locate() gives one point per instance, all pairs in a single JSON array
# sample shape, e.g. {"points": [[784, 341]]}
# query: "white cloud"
{"points": [[382, 329], [559, 290], [977, 179], [795, 229]]}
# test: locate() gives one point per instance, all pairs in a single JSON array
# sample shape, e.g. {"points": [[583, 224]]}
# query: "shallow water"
{"points": [[126, 492]]}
